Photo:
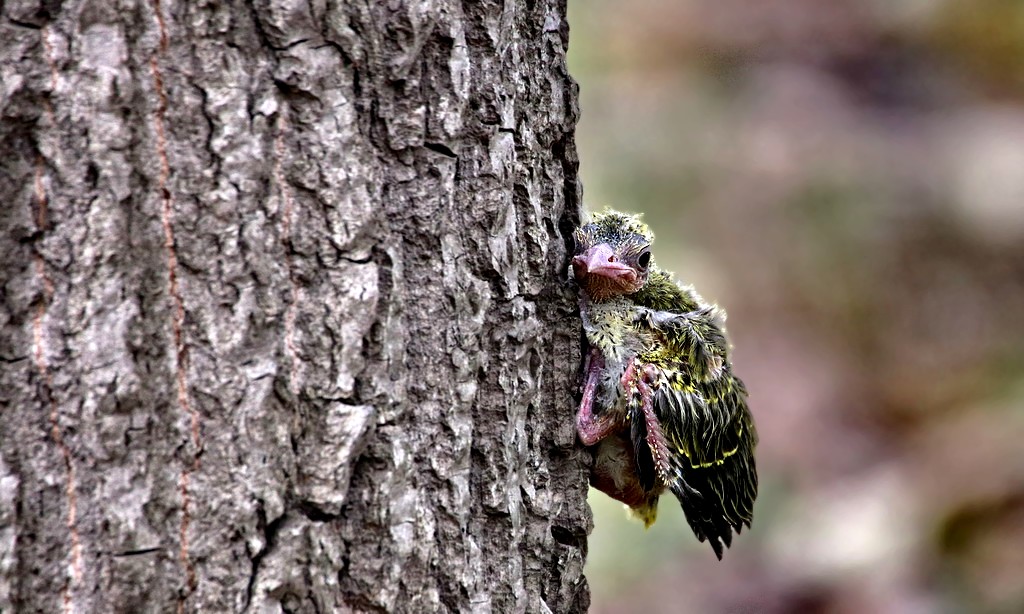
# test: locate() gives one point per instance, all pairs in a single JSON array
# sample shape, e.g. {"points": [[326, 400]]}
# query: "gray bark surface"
{"points": [[283, 323]]}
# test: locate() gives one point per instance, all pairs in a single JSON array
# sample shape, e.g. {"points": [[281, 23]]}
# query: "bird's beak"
{"points": [[601, 260]]}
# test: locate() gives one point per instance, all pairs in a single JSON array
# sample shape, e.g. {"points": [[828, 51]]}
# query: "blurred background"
{"points": [[846, 178]]}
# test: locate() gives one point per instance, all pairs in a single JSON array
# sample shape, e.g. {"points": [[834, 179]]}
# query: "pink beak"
{"points": [[601, 260]]}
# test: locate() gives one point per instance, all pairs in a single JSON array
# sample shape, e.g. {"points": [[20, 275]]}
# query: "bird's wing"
{"points": [[711, 433], [702, 410], [693, 337]]}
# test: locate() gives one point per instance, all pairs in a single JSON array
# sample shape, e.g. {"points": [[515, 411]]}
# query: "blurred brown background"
{"points": [[846, 178]]}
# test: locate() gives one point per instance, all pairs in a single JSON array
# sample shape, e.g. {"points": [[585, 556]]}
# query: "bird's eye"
{"points": [[644, 260]]}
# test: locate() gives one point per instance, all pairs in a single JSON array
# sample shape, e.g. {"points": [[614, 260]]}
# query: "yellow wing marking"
{"points": [[719, 461]]}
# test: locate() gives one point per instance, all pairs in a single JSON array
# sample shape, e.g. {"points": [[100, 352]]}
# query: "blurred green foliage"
{"points": [[846, 179]]}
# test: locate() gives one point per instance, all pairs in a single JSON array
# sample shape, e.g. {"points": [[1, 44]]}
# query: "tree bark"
{"points": [[284, 323]]}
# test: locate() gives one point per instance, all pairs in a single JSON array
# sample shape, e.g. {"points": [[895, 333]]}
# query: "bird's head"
{"points": [[613, 255]]}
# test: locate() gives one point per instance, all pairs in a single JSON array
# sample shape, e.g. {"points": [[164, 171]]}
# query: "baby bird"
{"points": [[660, 401]]}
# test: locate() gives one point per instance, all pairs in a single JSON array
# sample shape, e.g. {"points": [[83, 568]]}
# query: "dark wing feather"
{"points": [[713, 441], [702, 410]]}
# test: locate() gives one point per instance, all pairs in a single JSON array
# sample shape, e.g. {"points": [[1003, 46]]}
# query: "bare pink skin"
{"points": [[615, 474], [591, 428], [615, 469]]}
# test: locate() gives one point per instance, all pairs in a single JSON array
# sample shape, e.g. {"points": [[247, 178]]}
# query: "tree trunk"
{"points": [[284, 325]]}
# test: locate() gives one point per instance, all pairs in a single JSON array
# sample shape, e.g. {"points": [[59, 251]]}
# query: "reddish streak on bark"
{"points": [[158, 11], [70, 491], [178, 312], [190, 570], [286, 237]]}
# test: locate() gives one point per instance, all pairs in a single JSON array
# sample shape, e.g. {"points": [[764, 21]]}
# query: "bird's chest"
{"points": [[609, 328]]}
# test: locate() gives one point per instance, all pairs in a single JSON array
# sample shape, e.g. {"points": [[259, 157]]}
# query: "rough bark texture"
{"points": [[283, 325]]}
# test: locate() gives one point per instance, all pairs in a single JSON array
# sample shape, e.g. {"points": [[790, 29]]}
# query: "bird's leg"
{"points": [[591, 428], [627, 381], [655, 437]]}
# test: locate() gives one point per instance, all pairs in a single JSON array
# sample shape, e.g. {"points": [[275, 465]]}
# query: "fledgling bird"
{"points": [[660, 401]]}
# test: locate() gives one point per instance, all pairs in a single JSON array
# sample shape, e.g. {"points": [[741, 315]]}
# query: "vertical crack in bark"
{"points": [[270, 532], [178, 313], [56, 432], [288, 207], [44, 33]]}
